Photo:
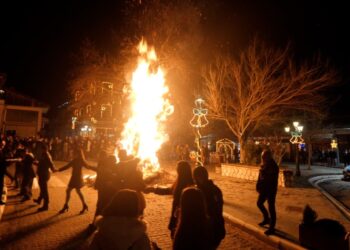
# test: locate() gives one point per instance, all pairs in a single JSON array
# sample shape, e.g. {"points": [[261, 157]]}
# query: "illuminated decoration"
{"points": [[297, 140], [225, 147], [74, 120], [199, 121], [296, 134], [144, 132], [334, 144]]}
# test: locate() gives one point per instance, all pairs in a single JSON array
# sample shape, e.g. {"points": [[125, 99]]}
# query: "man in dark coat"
{"points": [[43, 173], [267, 188], [214, 202]]}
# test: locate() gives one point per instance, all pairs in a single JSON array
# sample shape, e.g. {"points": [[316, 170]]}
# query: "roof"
{"points": [[13, 97]]}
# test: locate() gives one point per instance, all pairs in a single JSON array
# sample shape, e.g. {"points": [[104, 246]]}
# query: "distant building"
{"points": [[21, 115], [96, 108]]}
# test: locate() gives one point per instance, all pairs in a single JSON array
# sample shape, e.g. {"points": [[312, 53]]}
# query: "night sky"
{"points": [[38, 38]]}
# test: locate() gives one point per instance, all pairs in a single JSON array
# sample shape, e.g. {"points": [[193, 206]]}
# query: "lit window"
{"points": [[88, 109], [77, 95]]}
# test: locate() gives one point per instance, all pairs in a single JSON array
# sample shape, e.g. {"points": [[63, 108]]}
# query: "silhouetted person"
{"points": [[76, 181], [193, 230], [214, 203], [121, 227], [267, 189], [322, 234], [19, 154], [333, 157], [184, 179], [128, 176], [3, 166], [346, 157], [104, 183], [44, 165], [28, 175]]}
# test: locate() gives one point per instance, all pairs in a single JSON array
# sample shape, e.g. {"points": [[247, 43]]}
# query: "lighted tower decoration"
{"points": [[199, 121]]}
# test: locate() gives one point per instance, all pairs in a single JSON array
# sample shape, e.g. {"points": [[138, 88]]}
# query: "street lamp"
{"points": [[296, 139]]}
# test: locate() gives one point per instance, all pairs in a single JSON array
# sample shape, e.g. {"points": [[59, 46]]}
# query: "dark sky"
{"points": [[38, 38]]}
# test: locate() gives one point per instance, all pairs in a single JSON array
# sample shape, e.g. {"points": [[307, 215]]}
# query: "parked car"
{"points": [[346, 173]]}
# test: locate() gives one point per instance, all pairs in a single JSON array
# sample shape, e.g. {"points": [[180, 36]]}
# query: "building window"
{"points": [[76, 112], [92, 89], [77, 95], [107, 87], [88, 109], [106, 111]]}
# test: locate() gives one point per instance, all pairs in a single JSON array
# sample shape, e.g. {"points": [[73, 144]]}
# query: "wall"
{"points": [[248, 172]]}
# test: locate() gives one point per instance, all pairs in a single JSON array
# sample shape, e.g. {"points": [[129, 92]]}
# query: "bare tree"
{"points": [[261, 85]]}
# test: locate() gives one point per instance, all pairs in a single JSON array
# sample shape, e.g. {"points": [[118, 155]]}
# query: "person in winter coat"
{"points": [[104, 184], [184, 179], [44, 165], [214, 203], [267, 188], [128, 176], [28, 175], [76, 181], [193, 230], [121, 227]]}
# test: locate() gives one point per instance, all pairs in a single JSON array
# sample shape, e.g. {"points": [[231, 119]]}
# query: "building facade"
{"points": [[97, 109], [21, 115]]}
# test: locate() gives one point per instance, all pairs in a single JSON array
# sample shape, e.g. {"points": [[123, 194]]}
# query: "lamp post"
{"points": [[334, 146], [296, 139]]}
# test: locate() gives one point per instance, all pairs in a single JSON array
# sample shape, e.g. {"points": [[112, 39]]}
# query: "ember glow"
{"points": [[144, 134]]}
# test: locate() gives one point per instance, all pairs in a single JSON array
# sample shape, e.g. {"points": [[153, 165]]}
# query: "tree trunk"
{"points": [[242, 154]]}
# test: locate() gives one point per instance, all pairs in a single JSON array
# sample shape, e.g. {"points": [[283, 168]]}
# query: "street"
{"points": [[22, 227]]}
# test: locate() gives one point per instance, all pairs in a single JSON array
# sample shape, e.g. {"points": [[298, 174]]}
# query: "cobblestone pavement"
{"points": [[240, 200], [22, 227]]}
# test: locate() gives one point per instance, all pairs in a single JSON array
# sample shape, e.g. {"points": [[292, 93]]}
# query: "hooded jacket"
{"points": [[121, 233]]}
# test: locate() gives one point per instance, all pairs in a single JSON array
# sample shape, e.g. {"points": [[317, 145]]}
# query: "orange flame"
{"points": [[144, 134]]}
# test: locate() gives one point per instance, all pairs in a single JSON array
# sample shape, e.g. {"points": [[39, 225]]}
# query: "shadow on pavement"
{"points": [[8, 214], [20, 216], [79, 241], [7, 240], [283, 235]]}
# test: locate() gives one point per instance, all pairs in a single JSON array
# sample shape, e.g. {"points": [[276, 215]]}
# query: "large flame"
{"points": [[144, 134]]}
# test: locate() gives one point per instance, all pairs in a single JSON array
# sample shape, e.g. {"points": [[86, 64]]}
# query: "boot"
{"points": [[85, 208]]}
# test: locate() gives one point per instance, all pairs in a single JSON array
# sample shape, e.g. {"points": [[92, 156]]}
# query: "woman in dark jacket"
{"points": [[184, 179], [267, 188], [193, 230], [76, 181]]}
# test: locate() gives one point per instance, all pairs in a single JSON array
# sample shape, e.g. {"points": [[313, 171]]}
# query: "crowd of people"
{"points": [[196, 220]]}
